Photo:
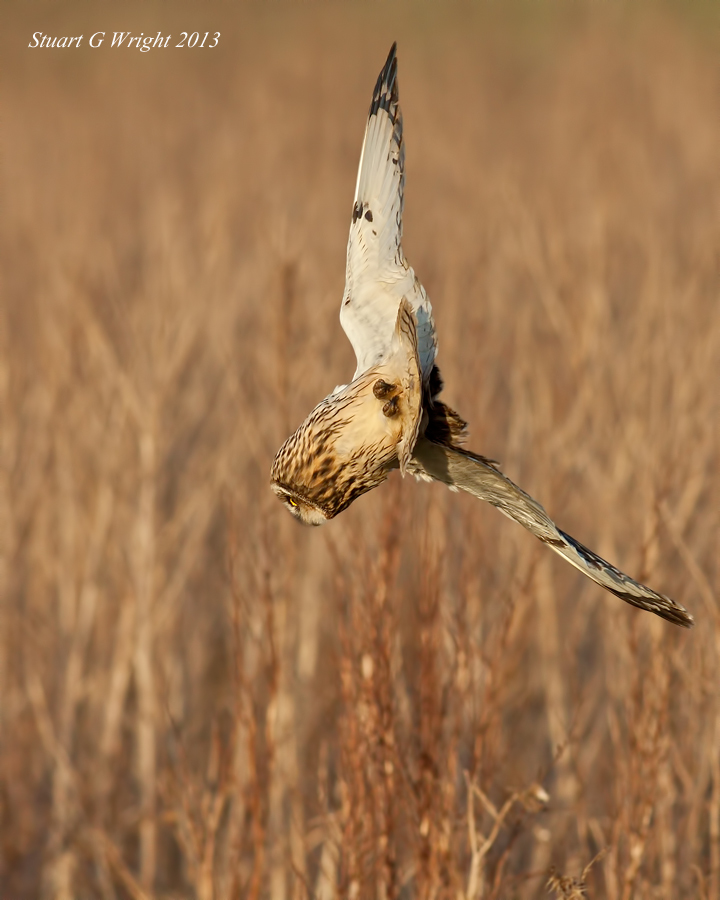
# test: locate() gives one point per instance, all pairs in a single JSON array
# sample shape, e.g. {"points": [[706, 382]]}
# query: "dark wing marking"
{"points": [[465, 471]]}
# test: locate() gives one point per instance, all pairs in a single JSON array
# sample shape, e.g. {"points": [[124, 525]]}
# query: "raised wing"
{"points": [[378, 276], [462, 470]]}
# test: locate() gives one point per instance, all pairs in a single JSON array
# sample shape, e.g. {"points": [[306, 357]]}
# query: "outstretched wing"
{"points": [[378, 275], [462, 470]]}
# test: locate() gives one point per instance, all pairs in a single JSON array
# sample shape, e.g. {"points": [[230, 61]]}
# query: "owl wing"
{"points": [[462, 470], [378, 276], [405, 357], [392, 416]]}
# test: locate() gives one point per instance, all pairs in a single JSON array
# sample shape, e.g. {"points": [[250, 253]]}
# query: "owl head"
{"points": [[346, 446], [355, 436]]}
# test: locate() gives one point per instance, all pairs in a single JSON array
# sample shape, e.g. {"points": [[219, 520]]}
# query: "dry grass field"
{"points": [[198, 697]]}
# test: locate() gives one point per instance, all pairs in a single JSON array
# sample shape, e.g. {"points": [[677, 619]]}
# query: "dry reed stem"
{"points": [[200, 699]]}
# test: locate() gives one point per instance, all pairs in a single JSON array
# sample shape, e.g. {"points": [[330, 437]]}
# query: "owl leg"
{"points": [[383, 390]]}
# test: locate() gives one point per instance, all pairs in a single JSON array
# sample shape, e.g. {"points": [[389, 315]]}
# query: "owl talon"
{"points": [[390, 408], [382, 389]]}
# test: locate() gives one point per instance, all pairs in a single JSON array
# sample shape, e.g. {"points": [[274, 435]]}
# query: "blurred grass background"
{"points": [[200, 699]]}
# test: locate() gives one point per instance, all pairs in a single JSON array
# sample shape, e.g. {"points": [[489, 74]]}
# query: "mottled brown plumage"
{"points": [[353, 438]]}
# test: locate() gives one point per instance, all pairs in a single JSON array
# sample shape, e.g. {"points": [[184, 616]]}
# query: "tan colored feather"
{"points": [[465, 471], [352, 440]]}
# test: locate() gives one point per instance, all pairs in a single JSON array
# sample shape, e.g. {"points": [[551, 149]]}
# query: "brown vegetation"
{"points": [[200, 698]]}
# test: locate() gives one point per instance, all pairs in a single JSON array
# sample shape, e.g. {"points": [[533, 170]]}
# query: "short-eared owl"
{"points": [[390, 415]]}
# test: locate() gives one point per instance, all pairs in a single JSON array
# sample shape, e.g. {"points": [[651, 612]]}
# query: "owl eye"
{"points": [[291, 501]]}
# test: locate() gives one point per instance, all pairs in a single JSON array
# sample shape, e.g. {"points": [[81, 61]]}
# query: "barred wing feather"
{"points": [[378, 276], [462, 470]]}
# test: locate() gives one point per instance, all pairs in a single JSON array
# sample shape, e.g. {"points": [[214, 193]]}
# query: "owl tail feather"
{"points": [[462, 470]]}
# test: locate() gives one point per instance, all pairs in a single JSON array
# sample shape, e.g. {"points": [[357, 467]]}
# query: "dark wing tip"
{"points": [[385, 95], [642, 596], [667, 609]]}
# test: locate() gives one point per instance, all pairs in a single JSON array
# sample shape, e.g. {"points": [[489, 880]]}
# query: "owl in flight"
{"points": [[390, 415]]}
